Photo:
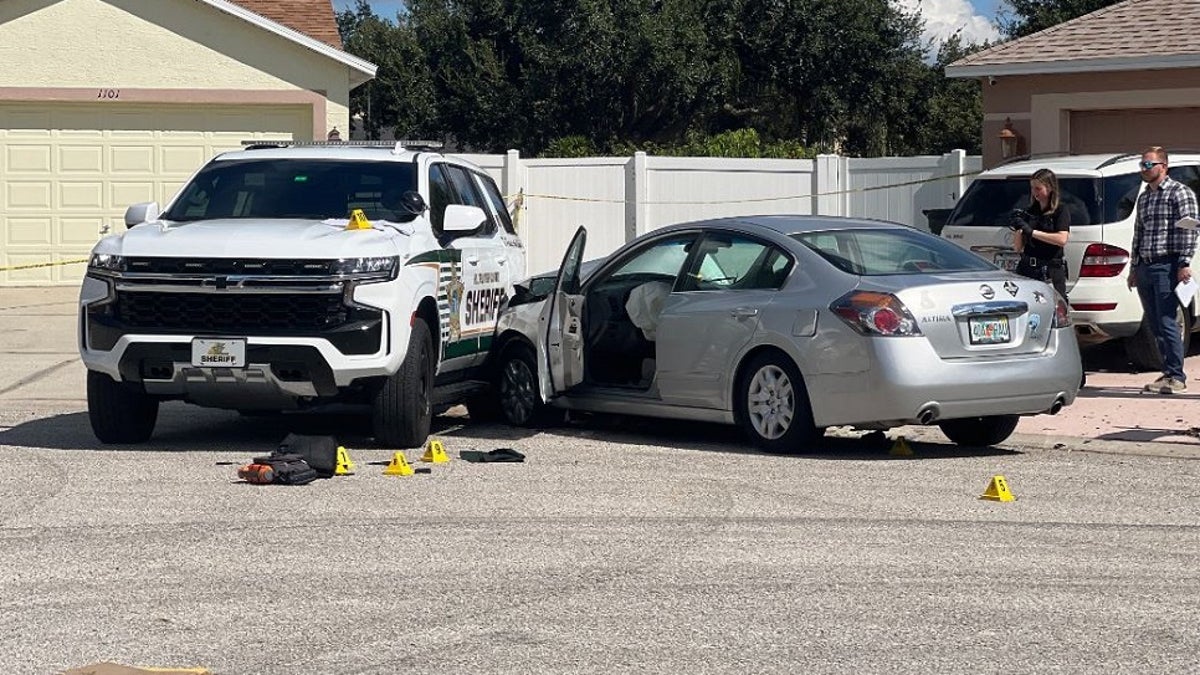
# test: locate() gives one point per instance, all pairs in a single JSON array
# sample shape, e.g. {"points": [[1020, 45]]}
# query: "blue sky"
{"points": [[942, 17]]}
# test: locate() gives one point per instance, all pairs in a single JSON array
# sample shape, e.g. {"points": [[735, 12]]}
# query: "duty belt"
{"points": [[1049, 262]]}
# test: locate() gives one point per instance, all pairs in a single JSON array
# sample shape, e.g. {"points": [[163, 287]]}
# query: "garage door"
{"points": [[69, 171], [1133, 130]]}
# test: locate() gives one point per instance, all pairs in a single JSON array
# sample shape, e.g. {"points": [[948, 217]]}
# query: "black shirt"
{"points": [[1058, 221]]}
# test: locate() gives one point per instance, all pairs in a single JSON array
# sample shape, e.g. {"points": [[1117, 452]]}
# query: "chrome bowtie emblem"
{"points": [[1011, 288], [987, 292]]}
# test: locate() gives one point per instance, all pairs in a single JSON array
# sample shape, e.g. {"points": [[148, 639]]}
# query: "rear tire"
{"points": [[402, 411], [119, 412], [980, 431], [1142, 349], [771, 404]]}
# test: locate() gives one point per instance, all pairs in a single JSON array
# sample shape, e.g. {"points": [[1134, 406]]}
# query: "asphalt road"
{"points": [[618, 546]]}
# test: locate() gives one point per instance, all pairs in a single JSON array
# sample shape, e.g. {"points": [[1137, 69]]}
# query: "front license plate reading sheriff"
{"points": [[989, 330], [210, 353], [1007, 260]]}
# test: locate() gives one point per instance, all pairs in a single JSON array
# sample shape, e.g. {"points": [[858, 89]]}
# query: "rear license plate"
{"points": [[210, 353], [989, 330], [1007, 260]]}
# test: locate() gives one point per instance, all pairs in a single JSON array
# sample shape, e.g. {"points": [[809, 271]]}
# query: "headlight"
{"points": [[106, 262], [382, 266]]}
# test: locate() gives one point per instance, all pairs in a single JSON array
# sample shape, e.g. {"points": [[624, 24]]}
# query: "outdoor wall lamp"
{"points": [[1008, 139]]}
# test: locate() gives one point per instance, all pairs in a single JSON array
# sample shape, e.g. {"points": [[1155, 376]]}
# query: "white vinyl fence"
{"points": [[619, 198]]}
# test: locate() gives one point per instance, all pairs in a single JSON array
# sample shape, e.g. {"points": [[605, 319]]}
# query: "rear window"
{"points": [[308, 189], [885, 251], [988, 202]]}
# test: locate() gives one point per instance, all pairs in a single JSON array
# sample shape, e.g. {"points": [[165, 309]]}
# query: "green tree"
{"points": [[832, 75], [953, 112], [401, 98], [1025, 17], [722, 77]]}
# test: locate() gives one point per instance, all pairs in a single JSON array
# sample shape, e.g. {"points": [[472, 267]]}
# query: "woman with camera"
{"points": [[1041, 232]]}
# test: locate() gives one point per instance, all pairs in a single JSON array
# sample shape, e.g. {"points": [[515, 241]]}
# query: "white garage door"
{"points": [[68, 171], [1135, 129]]}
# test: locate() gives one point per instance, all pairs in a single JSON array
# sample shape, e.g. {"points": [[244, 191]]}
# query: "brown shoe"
{"points": [[1157, 385], [1173, 386]]}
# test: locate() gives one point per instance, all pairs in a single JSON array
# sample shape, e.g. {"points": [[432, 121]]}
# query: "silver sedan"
{"points": [[786, 325]]}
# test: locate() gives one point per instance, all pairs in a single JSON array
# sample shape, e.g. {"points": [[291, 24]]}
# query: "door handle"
{"points": [[473, 260], [742, 313]]}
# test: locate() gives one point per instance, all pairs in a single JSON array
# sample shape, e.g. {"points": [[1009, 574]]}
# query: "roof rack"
{"points": [[1118, 158], [1036, 155], [394, 146]]}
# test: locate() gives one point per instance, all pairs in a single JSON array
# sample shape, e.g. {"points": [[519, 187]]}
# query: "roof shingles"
{"points": [[1130, 29], [314, 18]]}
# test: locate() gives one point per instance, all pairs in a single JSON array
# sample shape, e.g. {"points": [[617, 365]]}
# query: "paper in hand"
{"points": [[1186, 291], [1187, 223]]}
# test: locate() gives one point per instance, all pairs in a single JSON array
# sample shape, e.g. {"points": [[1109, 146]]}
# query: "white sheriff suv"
{"points": [[1100, 192], [286, 276]]}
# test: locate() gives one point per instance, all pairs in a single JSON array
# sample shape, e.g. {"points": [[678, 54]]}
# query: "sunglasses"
{"points": [[1147, 165]]}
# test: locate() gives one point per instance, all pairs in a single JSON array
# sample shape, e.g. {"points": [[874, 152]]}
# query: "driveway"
{"points": [[39, 363]]}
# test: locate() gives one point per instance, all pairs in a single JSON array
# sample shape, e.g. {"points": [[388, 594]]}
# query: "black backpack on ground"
{"points": [[320, 452]]}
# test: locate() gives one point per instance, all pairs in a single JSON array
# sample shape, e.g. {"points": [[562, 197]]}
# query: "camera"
{"points": [[1018, 219]]}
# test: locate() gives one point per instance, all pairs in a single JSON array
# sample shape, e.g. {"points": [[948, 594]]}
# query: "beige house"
{"points": [[1115, 80], [104, 103]]}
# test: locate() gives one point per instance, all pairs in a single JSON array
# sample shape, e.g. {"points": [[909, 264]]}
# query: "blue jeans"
{"points": [[1156, 286]]}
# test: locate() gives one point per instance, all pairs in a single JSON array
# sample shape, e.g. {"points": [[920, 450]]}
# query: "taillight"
{"points": [[1102, 260], [1062, 317], [872, 313]]}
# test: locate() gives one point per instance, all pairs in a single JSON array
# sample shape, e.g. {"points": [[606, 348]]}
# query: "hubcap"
{"points": [[771, 402], [517, 391]]}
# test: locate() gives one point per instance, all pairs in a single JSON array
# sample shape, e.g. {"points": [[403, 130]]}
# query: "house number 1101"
{"points": [[109, 94]]}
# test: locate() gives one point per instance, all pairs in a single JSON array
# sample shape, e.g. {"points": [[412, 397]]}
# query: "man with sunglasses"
{"points": [[1162, 255]]}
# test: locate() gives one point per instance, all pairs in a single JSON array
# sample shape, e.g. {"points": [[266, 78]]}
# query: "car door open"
{"points": [[560, 329]]}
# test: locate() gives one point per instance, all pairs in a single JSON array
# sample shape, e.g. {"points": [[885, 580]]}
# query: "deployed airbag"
{"points": [[645, 304]]}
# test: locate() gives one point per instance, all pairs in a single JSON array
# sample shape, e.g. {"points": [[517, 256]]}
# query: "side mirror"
{"points": [[412, 202], [461, 219], [143, 212]]}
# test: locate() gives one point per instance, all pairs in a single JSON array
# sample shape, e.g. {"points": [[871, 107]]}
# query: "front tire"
{"points": [[402, 411], [119, 413], [980, 431], [772, 406], [520, 395]]}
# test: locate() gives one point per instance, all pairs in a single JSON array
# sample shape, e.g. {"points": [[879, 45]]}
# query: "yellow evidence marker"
{"points": [[399, 466], [901, 448], [358, 221], [344, 466], [997, 491], [435, 452]]}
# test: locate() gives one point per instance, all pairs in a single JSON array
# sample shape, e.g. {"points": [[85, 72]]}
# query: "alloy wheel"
{"points": [[771, 402]]}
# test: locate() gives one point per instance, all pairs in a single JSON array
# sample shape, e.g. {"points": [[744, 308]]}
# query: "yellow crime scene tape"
{"points": [[750, 200], [33, 266], [516, 204]]}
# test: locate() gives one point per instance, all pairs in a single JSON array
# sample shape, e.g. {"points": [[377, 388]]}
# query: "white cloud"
{"points": [[943, 18]]}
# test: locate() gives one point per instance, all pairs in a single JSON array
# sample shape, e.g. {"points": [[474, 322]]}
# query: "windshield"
{"points": [[874, 252], [989, 201], [292, 188]]}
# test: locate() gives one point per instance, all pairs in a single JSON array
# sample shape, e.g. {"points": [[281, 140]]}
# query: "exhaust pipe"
{"points": [[928, 414], [1057, 405]]}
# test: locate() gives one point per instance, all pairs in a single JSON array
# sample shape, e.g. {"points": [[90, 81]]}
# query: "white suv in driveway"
{"points": [[288, 276], [1100, 191]]}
